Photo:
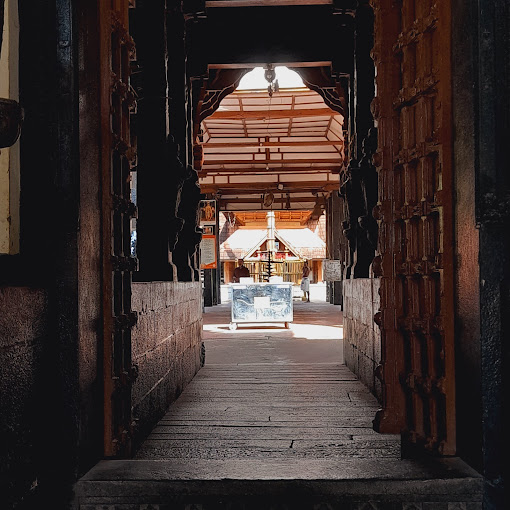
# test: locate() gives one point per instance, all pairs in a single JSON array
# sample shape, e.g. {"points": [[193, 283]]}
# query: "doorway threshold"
{"points": [[309, 484]]}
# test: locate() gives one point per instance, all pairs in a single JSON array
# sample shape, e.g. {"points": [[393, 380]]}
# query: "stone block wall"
{"points": [[24, 373], [362, 337], [166, 345]]}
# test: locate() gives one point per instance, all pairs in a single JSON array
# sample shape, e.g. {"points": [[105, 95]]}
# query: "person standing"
{"points": [[241, 271], [305, 281]]}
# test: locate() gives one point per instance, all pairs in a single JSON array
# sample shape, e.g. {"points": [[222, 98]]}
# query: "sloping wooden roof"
{"points": [[241, 242], [290, 144], [303, 243]]}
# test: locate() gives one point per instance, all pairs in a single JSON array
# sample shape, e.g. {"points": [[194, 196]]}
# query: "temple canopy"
{"points": [[300, 243]]}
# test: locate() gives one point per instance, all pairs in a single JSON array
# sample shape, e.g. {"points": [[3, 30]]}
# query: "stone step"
{"points": [[253, 484], [275, 424]]}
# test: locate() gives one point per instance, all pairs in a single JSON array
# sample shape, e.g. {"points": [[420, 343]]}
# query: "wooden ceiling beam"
{"points": [[251, 65], [256, 187], [265, 185], [272, 114], [265, 3], [209, 161], [257, 200], [255, 124], [319, 143], [287, 215], [271, 171], [266, 173], [306, 155]]}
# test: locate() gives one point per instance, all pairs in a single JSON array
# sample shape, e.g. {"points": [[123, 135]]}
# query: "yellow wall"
{"points": [[9, 157]]}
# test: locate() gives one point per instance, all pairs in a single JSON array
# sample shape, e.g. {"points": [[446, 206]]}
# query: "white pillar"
{"points": [[9, 157]]}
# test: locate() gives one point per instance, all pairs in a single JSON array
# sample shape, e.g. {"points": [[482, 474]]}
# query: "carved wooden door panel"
{"points": [[412, 109], [118, 159]]}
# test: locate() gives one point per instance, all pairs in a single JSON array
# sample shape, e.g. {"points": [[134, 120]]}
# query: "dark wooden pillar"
{"points": [[208, 285], [158, 164], [481, 116], [360, 187], [217, 271], [366, 137], [334, 240], [184, 254], [65, 228], [363, 73], [218, 268]]}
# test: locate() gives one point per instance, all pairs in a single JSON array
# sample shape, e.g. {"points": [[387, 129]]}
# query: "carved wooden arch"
{"points": [[219, 84], [222, 82], [319, 80]]}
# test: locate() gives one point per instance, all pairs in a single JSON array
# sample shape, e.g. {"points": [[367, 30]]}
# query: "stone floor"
{"points": [[275, 420], [267, 392]]}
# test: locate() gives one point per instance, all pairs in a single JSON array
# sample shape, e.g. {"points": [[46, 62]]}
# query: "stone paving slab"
{"points": [[269, 413], [236, 432], [270, 449], [371, 441]]}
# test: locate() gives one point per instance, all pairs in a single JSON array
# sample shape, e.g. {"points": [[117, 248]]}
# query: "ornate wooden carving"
{"points": [[220, 84], [360, 192], [319, 80], [207, 96], [359, 178], [414, 212], [188, 241], [174, 223]]}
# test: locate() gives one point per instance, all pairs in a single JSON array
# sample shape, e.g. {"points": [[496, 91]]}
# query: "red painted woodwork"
{"points": [[412, 110]]}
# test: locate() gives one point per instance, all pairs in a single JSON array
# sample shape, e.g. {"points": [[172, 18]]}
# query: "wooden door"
{"points": [[412, 110], [118, 155]]}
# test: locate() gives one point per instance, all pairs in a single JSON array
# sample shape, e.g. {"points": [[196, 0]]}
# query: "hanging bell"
{"points": [[269, 73]]}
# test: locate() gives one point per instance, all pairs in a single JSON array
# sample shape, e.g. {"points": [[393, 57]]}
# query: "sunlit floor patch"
{"points": [[308, 331]]}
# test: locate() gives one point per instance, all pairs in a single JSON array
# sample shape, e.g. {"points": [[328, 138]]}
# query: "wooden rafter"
{"points": [[291, 133], [272, 114], [248, 200], [263, 171], [290, 215], [288, 161], [255, 124], [265, 3], [289, 187], [286, 143]]}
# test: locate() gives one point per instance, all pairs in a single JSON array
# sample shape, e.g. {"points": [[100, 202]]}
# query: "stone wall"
{"points": [[362, 338], [166, 345], [23, 387]]}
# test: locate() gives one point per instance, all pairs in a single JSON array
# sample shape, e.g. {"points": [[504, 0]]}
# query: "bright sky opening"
{"points": [[254, 80]]}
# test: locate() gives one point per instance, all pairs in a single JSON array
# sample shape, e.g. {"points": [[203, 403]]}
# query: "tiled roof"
{"points": [[303, 242], [241, 242]]}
